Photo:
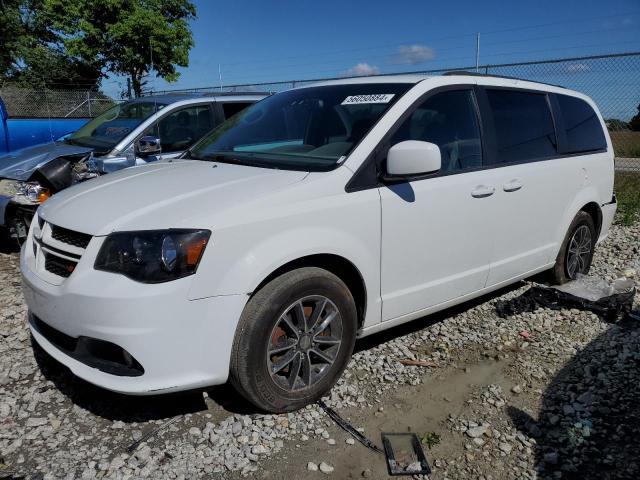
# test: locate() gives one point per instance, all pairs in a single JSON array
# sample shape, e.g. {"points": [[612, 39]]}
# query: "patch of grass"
{"points": [[626, 143], [627, 188], [430, 439]]}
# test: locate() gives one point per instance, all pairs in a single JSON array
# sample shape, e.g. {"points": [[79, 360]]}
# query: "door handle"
{"points": [[482, 191], [512, 185]]}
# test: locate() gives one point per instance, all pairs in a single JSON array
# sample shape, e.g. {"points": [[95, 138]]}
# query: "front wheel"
{"points": [[576, 251], [294, 339]]}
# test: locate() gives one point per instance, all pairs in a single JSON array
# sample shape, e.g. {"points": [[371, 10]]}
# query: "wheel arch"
{"points": [[594, 210], [336, 264]]}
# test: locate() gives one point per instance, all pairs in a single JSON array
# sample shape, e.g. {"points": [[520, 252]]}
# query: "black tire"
{"points": [[262, 322], [561, 272]]}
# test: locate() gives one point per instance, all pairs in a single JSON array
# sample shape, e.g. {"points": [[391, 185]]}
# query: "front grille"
{"points": [[70, 237], [58, 265]]}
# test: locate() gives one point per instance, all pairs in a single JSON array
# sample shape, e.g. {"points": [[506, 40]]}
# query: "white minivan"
{"points": [[316, 216]]}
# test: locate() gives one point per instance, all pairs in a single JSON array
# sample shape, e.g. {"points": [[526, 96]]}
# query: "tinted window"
{"points": [[449, 120], [231, 108], [582, 125], [182, 128], [523, 125]]}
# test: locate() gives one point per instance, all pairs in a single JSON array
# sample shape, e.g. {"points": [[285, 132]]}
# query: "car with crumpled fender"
{"points": [[135, 132]]}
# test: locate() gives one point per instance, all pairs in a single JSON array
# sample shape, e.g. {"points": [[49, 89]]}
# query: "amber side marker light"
{"points": [[43, 196], [194, 251]]}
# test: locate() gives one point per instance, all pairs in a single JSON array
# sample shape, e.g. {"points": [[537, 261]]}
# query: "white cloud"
{"points": [[361, 69], [414, 54]]}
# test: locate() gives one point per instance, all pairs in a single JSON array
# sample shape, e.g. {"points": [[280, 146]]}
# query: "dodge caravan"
{"points": [[313, 217]]}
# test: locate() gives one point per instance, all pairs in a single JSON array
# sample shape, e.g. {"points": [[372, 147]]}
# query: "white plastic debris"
{"points": [[594, 288]]}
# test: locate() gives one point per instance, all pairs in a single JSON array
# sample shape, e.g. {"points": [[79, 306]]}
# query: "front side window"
{"points": [[309, 128], [105, 131], [582, 126], [523, 125], [180, 129], [449, 120]]}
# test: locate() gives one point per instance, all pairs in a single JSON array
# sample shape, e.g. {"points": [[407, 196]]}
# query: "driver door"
{"points": [[436, 230]]}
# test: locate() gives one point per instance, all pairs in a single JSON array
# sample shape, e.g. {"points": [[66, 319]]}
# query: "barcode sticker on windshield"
{"points": [[374, 98]]}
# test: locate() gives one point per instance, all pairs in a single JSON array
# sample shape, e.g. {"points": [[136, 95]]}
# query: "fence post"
{"points": [[89, 102]]}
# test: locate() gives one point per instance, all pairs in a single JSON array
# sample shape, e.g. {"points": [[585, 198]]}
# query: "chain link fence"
{"points": [[613, 81], [29, 103]]}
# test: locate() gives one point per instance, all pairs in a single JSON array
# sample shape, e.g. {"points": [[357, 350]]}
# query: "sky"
{"points": [[259, 41]]}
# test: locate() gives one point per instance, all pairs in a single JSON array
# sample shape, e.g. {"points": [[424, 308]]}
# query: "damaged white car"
{"points": [[131, 133], [316, 216]]}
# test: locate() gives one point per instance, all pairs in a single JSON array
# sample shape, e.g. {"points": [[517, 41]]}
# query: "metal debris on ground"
{"points": [[347, 427], [404, 454], [610, 300], [150, 434]]}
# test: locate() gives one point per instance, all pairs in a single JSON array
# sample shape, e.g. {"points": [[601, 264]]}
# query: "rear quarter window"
{"points": [[582, 126]]}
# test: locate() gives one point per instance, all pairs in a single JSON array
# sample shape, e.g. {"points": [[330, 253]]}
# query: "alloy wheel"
{"points": [[304, 343], [579, 251]]}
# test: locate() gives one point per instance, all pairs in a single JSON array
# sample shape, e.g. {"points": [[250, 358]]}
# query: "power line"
{"points": [[396, 45], [390, 56], [498, 54]]}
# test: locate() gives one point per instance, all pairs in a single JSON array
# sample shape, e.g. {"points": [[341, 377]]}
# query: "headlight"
{"points": [[153, 256], [24, 193], [31, 191]]}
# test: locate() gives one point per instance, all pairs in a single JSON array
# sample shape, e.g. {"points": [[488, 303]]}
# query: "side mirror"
{"points": [[148, 145], [412, 157], [111, 164]]}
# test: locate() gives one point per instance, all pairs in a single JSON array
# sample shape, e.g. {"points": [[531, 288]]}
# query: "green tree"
{"points": [[12, 35], [634, 124], [616, 125], [67, 43], [134, 38]]}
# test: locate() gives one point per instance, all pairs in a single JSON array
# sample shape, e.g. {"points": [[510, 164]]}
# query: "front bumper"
{"points": [[179, 343]]}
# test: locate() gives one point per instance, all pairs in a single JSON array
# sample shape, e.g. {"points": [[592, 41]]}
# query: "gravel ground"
{"points": [[564, 405]]}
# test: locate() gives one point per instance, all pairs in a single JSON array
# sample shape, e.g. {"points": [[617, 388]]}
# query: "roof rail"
{"points": [[491, 75], [226, 94]]}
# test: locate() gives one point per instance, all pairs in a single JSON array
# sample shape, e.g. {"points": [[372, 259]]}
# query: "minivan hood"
{"points": [[173, 194], [20, 164]]}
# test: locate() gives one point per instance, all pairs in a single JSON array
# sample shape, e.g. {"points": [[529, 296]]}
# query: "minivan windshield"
{"points": [[105, 131], [309, 128]]}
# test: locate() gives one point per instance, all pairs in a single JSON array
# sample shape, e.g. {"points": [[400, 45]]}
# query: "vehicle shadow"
{"points": [[588, 426], [421, 323], [127, 408]]}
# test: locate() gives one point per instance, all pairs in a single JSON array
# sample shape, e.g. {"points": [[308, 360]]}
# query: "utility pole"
{"points": [[220, 75], [477, 51]]}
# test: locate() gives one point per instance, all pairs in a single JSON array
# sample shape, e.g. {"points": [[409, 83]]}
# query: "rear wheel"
{"points": [[576, 252], [294, 339]]}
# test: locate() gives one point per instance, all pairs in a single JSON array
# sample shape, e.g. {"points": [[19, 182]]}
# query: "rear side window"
{"points": [[523, 126], [582, 126]]}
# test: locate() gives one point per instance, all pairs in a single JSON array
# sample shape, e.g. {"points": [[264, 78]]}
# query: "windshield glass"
{"points": [[105, 131], [309, 128]]}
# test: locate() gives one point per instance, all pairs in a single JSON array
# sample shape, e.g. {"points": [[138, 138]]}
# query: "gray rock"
{"points": [[326, 468]]}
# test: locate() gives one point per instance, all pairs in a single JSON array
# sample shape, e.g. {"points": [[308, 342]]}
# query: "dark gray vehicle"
{"points": [[135, 132]]}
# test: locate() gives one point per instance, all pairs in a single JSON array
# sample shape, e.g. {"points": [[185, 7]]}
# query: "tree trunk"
{"points": [[137, 84]]}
